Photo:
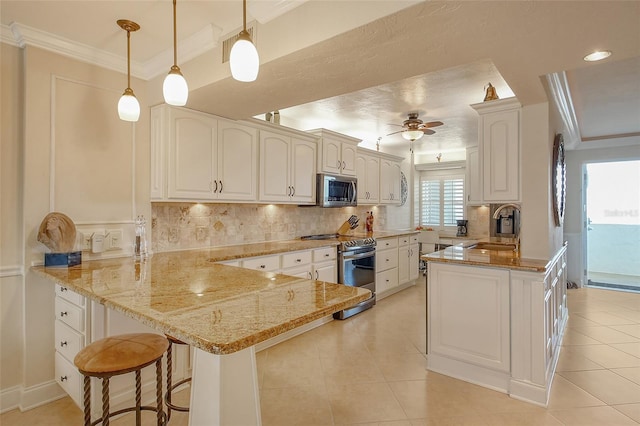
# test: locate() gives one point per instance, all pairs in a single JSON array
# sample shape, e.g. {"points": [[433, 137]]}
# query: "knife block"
{"points": [[345, 228]]}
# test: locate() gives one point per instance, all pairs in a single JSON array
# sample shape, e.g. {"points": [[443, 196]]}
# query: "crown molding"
{"points": [[21, 35], [561, 96], [265, 11]]}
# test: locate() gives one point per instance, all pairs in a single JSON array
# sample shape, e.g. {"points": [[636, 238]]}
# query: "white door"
{"points": [[192, 151], [237, 162], [325, 272], [332, 156], [348, 156], [373, 179], [303, 171], [274, 167]]}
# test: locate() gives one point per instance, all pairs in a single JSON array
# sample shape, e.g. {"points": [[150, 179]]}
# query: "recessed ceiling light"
{"points": [[597, 55]]}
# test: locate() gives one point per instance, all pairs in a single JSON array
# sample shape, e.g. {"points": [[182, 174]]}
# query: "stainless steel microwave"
{"points": [[336, 191]]}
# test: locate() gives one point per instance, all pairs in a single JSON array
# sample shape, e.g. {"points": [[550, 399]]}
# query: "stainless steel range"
{"points": [[356, 267]]}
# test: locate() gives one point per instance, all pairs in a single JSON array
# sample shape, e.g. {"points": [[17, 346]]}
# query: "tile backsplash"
{"points": [[179, 226], [478, 217]]}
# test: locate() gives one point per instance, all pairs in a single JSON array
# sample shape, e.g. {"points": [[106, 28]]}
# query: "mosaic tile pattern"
{"points": [[179, 226]]}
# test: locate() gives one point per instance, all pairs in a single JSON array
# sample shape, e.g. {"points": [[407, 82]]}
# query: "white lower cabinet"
{"points": [[408, 258], [317, 264], [397, 263], [79, 322]]}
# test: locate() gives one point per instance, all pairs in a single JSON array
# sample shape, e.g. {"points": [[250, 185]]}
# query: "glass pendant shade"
{"points": [[175, 88], [244, 60], [128, 106], [412, 135]]}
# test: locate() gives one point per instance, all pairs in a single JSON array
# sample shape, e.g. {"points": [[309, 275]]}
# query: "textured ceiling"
{"points": [[355, 66]]}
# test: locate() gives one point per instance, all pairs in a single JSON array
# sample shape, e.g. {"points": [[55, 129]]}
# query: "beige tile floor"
{"points": [[370, 370]]}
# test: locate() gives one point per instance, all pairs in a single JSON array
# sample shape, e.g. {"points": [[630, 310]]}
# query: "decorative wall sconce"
{"points": [[244, 59], [175, 88], [128, 105]]}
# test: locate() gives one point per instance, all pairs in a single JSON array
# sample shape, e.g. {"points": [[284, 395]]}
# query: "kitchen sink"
{"points": [[494, 246]]}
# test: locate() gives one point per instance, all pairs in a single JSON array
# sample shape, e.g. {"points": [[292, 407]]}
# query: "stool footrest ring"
{"points": [[169, 403], [131, 409]]}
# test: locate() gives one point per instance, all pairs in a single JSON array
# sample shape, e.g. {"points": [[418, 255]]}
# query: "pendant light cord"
{"points": [[244, 15], [175, 40], [128, 58]]}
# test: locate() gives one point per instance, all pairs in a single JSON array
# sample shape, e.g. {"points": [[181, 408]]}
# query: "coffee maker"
{"points": [[462, 228]]}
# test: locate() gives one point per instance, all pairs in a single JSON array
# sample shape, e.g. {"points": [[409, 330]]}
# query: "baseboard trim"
{"points": [[27, 398]]}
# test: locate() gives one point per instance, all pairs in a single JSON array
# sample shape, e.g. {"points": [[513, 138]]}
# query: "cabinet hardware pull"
{"points": [[63, 344], [317, 275], [221, 187], [293, 188], [310, 276], [63, 289], [63, 378], [298, 260], [327, 255], [387, 280], [339, 164], [263, 266], [216, 190], [63, 313], [344, 165], [289, 194]]}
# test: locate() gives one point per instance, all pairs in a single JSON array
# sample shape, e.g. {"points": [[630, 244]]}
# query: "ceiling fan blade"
{"points": [[433, 124], [427, 131], [399, 131]]}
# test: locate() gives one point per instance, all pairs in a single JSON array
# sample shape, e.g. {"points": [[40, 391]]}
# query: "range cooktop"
{"points": [[347, 241]]}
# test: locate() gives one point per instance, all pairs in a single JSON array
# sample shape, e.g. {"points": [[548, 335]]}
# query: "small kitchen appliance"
{"points": [[462, 228], [336, 191]]}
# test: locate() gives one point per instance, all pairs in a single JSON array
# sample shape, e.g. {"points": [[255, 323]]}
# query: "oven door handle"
{"points": [[359, 256]]}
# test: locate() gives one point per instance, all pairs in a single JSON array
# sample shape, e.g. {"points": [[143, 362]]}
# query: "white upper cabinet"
{"points": [[390, 181], [499, 151], [338, 152], [473, 176], [368, 175], [198, 156], [287, 168]]}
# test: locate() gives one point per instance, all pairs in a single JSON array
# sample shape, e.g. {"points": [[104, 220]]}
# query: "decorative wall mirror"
{"points": [[558, 179]]}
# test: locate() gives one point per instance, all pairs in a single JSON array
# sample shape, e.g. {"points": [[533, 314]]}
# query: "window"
{"points": [[441, 199]]}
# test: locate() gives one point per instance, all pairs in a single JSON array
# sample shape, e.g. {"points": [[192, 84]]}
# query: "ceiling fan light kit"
{"points": [[412, 135], [243, 59], [128, 105], [175, 88]]}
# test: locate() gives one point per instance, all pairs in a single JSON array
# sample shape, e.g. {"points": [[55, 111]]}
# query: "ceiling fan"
{"points": [[414, 128]]}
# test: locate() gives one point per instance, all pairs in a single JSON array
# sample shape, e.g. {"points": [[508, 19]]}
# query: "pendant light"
{"points": [[244, 59], [128, 106], [175, 87]]}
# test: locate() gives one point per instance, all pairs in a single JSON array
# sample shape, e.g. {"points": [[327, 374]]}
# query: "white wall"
{"points": [[78, 158], [573, 226], [11, 244]]}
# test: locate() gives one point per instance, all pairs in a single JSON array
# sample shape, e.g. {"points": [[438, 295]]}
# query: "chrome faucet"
{"points": [[516, 225]]}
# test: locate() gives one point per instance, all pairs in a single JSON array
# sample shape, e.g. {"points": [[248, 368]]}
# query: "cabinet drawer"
{"points": [[264, 263], [387, 243], [70, 314], [69, 295], [404, 240], [297, 258], [325, 253], [386, 280], [386, 259], [69, 378], [414, 239], [68, 341]]}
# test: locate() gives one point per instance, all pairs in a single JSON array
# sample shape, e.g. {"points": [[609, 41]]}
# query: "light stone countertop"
{"points": [[490, 258], [220, 309]]}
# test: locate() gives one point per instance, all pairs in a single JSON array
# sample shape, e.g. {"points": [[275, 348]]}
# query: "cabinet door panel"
{"points": [[303, 173], [274, 170], [373, 179], [348, 159], [361, 175], [237, 162], [332, 156], [325, 272], [191, 156], [474, 177], [501, 156]]}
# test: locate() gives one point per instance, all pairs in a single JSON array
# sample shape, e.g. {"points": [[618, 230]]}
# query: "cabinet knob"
{"points": [[63, 378], [63, 344], [63, 313], [298, 260], [63, 289], [263, 266], [387, 280], [327, 255]]}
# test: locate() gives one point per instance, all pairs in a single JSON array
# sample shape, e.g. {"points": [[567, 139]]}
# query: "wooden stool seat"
{"points": [[122, 354]]}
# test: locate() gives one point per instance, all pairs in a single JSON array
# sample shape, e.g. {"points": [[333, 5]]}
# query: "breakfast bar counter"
{"points": [[222, 311]]}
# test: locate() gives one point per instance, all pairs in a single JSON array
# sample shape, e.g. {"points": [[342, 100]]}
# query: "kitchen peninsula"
{"points": [[496, 319], [222, 311]]}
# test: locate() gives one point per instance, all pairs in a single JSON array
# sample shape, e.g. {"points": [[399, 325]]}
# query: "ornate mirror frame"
{"points": [[558, 179]]}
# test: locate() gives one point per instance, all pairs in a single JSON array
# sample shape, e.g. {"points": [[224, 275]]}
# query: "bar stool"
{"points": [[117, 355], [170, 386]]}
